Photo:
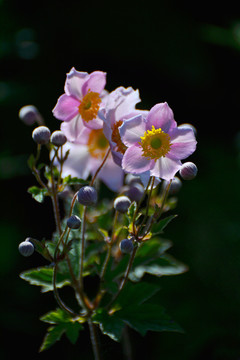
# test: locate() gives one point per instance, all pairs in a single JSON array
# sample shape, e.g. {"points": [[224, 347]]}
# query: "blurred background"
{"points": [[187, 55]]}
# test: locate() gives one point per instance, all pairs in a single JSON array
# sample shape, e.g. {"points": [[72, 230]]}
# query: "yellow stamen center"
{"points": [[89, 106], [97, 144], [120, 147], [155, 143]]}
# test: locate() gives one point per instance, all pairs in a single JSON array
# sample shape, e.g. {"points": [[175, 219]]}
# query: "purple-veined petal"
{"points": [[161, 116], [74, 83], [75, 131], [132, 129], [96, 82], [183, 143], [133, 161], [166, 167], [66, 108]]}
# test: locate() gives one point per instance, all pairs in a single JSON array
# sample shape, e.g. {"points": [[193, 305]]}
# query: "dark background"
{"points": [[187, 55]]}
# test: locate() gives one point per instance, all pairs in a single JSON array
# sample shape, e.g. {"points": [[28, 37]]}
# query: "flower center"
{"points": [[89, 106], [155, 143], [97, 144], [120, 147]]}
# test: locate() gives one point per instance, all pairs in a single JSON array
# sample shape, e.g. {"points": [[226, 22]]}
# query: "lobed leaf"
{"points": [[37, 193]]}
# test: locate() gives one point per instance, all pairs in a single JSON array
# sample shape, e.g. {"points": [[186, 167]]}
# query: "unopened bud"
{"points": [[41, 135], [175, 186], [188, 171], [135, 191], [29, 114], [26, 248], [132, 179], [74, 222], [126, 246], [122, 203], [58, 138], [87, 196]]}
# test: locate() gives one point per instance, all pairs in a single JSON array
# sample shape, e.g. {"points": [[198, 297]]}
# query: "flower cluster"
{"points": [[142, 142], [115, 238]]}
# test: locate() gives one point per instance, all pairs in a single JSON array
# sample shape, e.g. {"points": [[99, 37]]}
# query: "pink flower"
{"points": [[155, 145], [84, 159], [80, 104], [119, 106]]}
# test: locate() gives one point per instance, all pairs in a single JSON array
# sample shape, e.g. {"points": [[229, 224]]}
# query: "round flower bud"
{"points": [[58, 138], [122, 203], [41, 135], [131, 179], [26, 248], [74, 222], [29, 114], [175, 185], [126, 246], [135, 192], [188, 171], [87, 196]]}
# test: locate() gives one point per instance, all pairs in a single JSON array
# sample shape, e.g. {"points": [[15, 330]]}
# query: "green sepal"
{"points": [[68, 180], [38, 193]]}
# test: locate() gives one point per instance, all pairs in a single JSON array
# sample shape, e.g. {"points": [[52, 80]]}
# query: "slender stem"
{"points": [[82, 246], [125, 276], [108, 256], [100, 167], [148, 203], [93, 336]]}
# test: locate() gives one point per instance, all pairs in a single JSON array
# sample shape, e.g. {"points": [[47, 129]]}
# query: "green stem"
{"points": [[100, 167], [139, 204], [82, 246], [93, 336]]}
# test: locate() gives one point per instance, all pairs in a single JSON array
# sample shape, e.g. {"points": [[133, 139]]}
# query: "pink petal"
{"points": [[96, 123], [132, 129], [133, 161], [78, 161], [183, 143], [96, 82], [166, 167], [66, 108], [75, 131], [74, 83], [161, 116]]}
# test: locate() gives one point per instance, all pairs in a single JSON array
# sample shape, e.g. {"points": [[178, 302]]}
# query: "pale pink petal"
{"points": [[96, 82], [183, 143], [75, 131], [133, 161], [161, 117], [78, 163], [66, 108], [130, 98], [166, 167], [132, 129], [111, 174], [96, 123], [74, 83], [145, 180]]}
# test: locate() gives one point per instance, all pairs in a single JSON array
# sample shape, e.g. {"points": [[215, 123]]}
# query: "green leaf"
{"points": [[145, 317], [41, 249], [158, 228], [135, 294], [131, 211], [54, 334], [43, 276], [68, 180], [37, 193], [63, 323], [109, 324], [164, 265]]}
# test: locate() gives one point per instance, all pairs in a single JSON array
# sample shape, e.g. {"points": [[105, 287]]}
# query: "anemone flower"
{"points": [[155, 144], [79, 105]]}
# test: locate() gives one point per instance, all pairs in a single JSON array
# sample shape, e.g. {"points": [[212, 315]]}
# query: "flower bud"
{"points": [[175, 186], [121, 204], [126, 246], [74, 222], [41, 135], [188, 171], [87, 196], [132, 179], [58, 138], [26, 248], [135, 192], [29, 114]]}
